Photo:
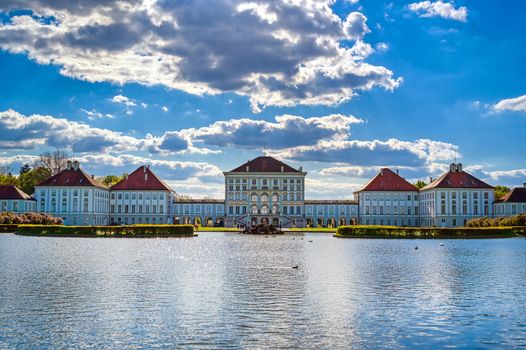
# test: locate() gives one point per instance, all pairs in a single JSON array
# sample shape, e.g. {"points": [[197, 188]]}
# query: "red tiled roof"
{"points": [[517, 195], [141, 179], [13, 192], [72, 177], [265, 165], [387, 180], [456, 179]]}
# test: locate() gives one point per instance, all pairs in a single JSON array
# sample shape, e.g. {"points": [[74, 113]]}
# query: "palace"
{"points": [[264, 190]]}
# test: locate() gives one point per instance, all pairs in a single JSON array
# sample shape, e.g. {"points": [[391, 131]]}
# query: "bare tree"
{"points": [[54, 161]]}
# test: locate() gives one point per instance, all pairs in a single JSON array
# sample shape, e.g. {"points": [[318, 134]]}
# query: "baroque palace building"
{"points": [[264, 190]]}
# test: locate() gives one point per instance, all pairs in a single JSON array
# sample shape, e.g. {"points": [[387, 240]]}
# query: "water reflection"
{"points": [[233, 291]]}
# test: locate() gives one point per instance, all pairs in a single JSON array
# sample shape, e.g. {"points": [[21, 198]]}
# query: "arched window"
{"points": [[64, 204], [85, 204], [274, 209], [254, 209], [264, 210], [275, 198], [264, 197], [254, 197], [53, 204]]}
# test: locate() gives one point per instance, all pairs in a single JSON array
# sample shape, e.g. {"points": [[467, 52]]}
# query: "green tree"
{"points": [[24, 169], [28, 180], [110, 180], [6, 176], [500, 191], [419, 184]]}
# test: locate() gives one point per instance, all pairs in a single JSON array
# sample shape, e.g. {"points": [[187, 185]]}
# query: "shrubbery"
{"points": [[424, 232], [519, 220], [113, 231], [29, 218]]}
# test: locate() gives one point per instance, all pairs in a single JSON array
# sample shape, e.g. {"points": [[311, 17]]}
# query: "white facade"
{"points": [[509, 209], [391, 208], [18, 206], [513, 203], [454, 198], [330, 213], [140, 207], [205, 212], [256, 195], [74, 196], [76, 205]]}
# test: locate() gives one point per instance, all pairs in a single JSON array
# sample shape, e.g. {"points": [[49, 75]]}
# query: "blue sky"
{"points": [[195, 88]]}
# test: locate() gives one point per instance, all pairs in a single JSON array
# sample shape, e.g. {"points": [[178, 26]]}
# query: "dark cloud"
{"points": [[275, 52]]}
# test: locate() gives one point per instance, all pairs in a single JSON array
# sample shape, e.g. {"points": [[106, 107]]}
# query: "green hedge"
{"points": [[517, 220], [427, 232], [107, 231], [8, 227]]}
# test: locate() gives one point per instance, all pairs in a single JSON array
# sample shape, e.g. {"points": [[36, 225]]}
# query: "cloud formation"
{"points": [[517, 104], [393, 152], [287, 131], [280, 53], [441, 9], [44, 130]]}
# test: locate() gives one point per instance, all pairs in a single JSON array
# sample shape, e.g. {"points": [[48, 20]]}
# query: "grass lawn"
{"points": [[311, 229], [216, 229]]}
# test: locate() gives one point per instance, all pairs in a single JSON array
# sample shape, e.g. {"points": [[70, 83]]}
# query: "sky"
{"points": [[195, 88]]}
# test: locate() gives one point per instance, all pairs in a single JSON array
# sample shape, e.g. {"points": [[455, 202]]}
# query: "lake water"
{"points": [[225, 290]]}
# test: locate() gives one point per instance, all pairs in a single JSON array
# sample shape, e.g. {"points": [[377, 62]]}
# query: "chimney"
{"points": [[459, 167], [452, 167], [144, 168], [301, 169], [145, 176], [430, 179], [397, 172], [92, 176], [75, 165], [68, 165], [524, 184], [282, 169], [382, 172], [248, 168]]}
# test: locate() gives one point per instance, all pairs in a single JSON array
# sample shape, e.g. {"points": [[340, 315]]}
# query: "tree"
{"points": [[24, 169], [419, 184], [54, 161], [6, 176], [500, 191], [110, 180], [28, 180]]}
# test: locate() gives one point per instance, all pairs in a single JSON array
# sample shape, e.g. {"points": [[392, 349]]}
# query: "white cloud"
{"points": [[286, 131], [45, 130], [280, 53], [393, 152], [124, 100], [382, 47], [165, 109], [517, 104], [93, 114], [441, 9], [500, 174]]}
